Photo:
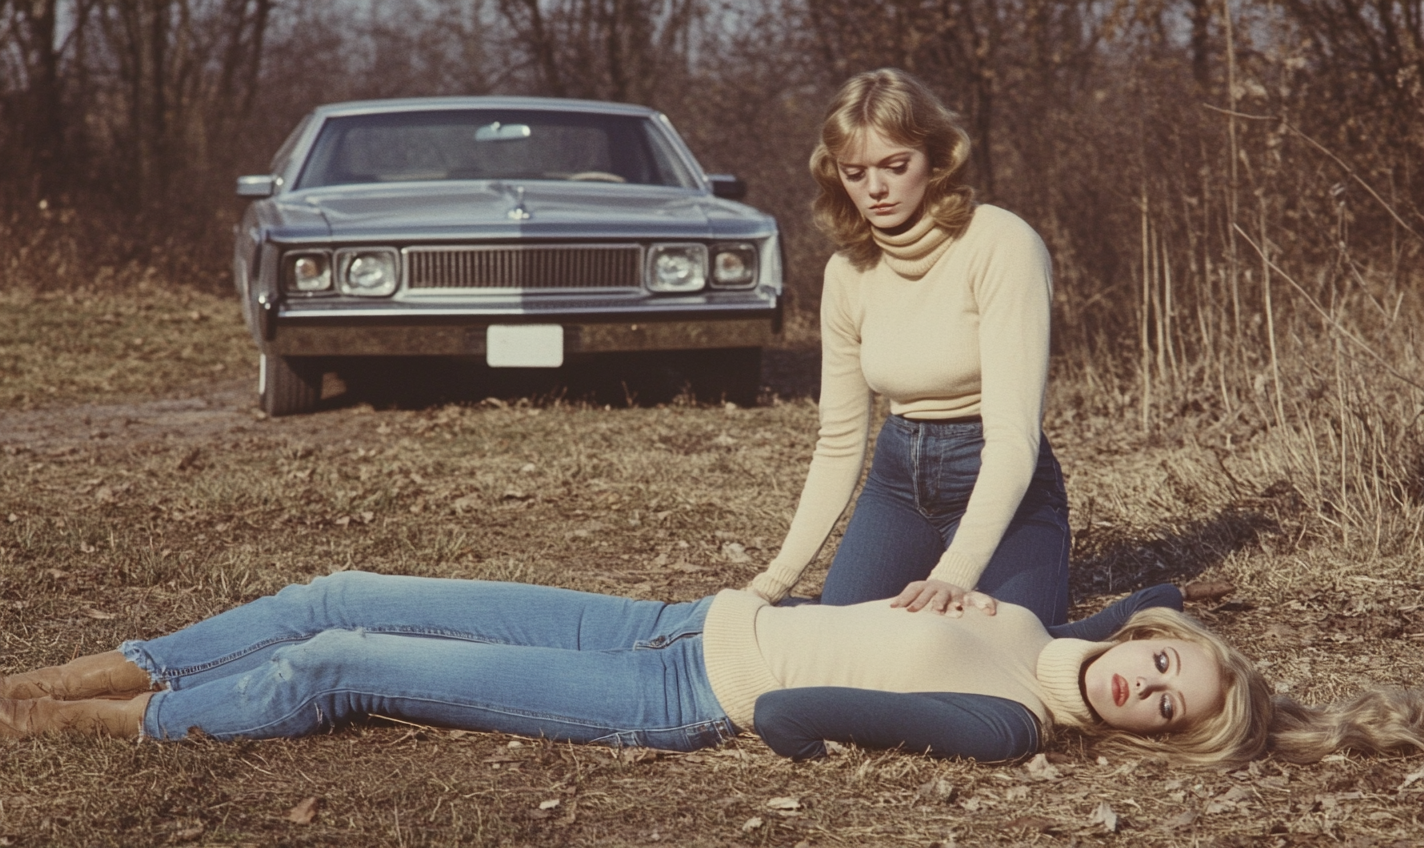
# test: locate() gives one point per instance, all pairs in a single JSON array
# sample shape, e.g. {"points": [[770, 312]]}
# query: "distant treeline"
{"points": [[1193, 164]]}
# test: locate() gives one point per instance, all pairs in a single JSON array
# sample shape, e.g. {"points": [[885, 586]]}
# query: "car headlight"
{"points": [[734, 266], [307, 271], [370, 272], [677, 267]]}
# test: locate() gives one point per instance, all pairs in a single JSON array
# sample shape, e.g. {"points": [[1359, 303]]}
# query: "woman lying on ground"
{"points": [[984, 681]]}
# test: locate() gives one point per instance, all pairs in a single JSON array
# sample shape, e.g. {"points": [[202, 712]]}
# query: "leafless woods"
{"points": [[1224, 184]]}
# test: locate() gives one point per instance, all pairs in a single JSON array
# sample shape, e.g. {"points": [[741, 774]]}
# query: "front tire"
{"points": [[728, 374], [289, 385]]}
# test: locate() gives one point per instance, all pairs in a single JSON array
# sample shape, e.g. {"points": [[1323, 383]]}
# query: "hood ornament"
{"points": [[518, 212]]}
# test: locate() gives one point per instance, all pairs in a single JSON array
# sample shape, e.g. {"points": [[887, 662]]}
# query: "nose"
{"points": [[1146, 686], [877, 187]]}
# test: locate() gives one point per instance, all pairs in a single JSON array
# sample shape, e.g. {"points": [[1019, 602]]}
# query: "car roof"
{"points": [[414, 104]]}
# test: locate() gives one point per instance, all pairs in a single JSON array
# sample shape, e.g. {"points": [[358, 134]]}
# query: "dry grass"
{"points": [[119, 535]]}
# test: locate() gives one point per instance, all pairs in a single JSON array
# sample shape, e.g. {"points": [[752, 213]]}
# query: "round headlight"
{"points": [[309, 272], [734, 266], [371, 273]]}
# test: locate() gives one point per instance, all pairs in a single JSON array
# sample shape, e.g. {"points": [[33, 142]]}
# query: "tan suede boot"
{"points": [[95, 717], [93, 676]]}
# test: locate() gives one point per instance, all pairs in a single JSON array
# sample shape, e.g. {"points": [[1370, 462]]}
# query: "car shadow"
{"points": [[610, 380]]}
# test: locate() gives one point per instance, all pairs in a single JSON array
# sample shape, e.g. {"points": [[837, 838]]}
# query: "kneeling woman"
{"points": [[580, 667]]}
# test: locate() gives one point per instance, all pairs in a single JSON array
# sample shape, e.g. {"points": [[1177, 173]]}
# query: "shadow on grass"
{"points": [[1109, 559]]}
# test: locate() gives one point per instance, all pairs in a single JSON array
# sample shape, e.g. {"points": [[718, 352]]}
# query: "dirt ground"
{"points": [[130, 516]]}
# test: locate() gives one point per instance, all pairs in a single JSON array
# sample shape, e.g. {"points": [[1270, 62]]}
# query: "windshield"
{"points": [[490, 144]]}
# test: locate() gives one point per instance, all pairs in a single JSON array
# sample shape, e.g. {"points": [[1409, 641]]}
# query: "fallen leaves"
{"points": [[1039, 768], [1103, 814], [305, 812]]}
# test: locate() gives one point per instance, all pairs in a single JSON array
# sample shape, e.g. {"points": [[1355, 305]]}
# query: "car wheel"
{"points": [[730, 374], [290, 385]]}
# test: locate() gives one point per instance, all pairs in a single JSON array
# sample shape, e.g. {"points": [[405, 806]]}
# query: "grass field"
{"points": [[140, 490]]}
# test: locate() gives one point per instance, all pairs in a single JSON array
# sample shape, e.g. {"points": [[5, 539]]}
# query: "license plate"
{"points": [[524, 346]]}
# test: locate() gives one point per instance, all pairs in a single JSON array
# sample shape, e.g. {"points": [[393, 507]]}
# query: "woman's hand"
{"points": [[944, 598]]}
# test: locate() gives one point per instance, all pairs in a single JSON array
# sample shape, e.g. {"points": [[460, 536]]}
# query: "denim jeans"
{"points": [[508, 657], [909, 510]]}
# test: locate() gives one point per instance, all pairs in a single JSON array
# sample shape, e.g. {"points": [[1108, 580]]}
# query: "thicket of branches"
{"points": [[1229, 187]]}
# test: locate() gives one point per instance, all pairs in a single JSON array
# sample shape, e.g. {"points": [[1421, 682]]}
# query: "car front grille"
{"points": [[506, 269]]}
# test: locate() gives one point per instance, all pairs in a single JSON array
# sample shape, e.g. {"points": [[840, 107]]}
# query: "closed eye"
{"points": [[1167, 709]]}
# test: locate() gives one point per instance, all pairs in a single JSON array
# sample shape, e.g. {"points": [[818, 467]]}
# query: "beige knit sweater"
{"points": [[944, 328], [752, 648]]}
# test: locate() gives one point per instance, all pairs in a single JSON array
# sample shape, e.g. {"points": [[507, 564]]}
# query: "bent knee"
{"points": [[326, 651]]}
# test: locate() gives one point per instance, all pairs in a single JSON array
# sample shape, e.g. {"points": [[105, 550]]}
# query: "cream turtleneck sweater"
{"points": [[944, 328], [752, 648]]}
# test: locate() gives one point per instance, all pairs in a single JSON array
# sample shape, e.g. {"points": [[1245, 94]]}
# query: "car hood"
{"points": [[534, 209]]}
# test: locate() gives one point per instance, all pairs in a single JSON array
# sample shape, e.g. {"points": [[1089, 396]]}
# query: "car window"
{"points": [[491, 145]]}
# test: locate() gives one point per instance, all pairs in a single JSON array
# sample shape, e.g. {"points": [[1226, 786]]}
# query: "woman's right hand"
{"points": [[943, 598]]}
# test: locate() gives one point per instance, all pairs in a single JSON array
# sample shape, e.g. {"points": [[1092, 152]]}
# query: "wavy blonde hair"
{"points": [[1374, 721], [1237, 733], [903, 110]]}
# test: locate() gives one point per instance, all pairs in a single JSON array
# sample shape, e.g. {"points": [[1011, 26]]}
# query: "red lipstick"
{"points": [[1119, 690]]}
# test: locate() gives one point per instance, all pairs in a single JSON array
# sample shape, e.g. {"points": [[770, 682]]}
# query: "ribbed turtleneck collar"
{"points": [[1060, 667], [912, 253]]}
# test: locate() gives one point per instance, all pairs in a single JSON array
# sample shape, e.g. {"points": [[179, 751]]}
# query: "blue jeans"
{"points": [[909, 510], [507, 657]]}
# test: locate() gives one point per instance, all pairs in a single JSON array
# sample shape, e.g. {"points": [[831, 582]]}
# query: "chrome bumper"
{"points": [[301, 339]]}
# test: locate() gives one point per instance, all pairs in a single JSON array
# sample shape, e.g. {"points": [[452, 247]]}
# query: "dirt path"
{"points": [[222, 408]]}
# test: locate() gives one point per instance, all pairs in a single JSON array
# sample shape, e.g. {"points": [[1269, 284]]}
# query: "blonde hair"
{"points": [[903, 110], [1235, 734], [1376, 720], [1252, 721]]}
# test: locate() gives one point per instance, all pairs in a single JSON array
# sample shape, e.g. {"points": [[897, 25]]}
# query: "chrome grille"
{"points": [[506, 269]]}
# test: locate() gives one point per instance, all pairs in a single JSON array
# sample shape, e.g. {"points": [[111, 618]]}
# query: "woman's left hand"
{"points": [[944, 598]]}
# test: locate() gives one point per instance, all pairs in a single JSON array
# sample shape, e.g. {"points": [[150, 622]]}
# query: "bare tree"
{"points": [[625, 50]]}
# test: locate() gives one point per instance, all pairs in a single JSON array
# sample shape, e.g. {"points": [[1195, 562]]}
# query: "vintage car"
{"points": [[517, 232]]}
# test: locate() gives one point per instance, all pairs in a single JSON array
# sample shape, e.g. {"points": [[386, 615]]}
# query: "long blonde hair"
{"points": [[1252, 721], [1375, 720], [902, 109]]}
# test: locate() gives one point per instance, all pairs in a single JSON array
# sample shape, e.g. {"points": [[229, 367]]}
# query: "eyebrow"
{"points": [[882, 163], [1177, 660]]}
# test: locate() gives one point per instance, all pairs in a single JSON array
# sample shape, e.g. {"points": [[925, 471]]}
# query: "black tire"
{"points": [[290, 385], [726, 375]]}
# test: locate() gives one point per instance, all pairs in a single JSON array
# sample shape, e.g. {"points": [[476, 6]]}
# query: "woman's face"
{"points": [[1151, 686], [885, 180]]}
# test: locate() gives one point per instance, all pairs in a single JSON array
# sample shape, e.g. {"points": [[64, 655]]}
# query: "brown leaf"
{"points": [[189, 460], [304, 812], [1042, 824], [1105, 816], [187, 834], [1186, 818], [1040, 769]]}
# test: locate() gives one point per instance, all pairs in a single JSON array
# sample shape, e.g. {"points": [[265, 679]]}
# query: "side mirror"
{"points": [[727, 186], [258, 186]]}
